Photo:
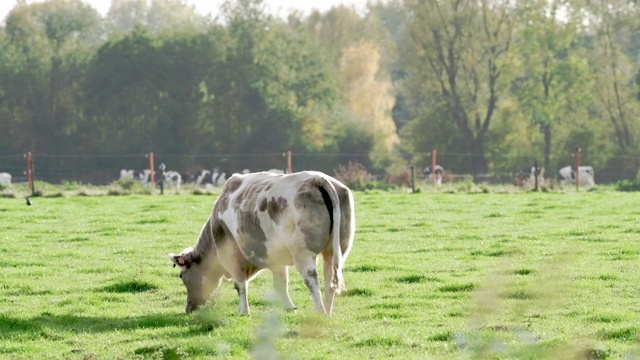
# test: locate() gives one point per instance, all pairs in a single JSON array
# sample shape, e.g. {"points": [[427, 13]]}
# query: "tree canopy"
{"points": [[501, 82]]}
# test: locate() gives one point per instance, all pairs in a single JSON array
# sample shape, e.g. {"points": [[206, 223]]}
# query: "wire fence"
{"points": [[104, 169]]}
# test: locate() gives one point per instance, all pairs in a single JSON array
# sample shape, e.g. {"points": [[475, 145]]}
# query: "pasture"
{"points": [[430, 276]]}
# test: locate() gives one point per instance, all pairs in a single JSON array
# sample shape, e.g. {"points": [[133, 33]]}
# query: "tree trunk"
{"points": [[546, 130], [479, 161]]}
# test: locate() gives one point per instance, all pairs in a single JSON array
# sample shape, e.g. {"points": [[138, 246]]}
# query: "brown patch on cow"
{"points": [[315, 221], [223, 201], [233, 184], [263, 204], [220, 231], [251, 238], [247, 198], [276, 208], [311, 280], [222, 204]]}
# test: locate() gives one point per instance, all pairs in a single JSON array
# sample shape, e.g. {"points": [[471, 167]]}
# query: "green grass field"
{"points": [[431, 276]]}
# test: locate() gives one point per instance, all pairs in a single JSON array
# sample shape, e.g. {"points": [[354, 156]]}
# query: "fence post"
{"points": [[30, 172], [162, 168], [536, 172], [152, 173], [289, 170], [577, 169], [433, 167], [413, 178]]}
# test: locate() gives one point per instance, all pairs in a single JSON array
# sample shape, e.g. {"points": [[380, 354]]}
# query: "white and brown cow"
{"points": [[270, 221]]}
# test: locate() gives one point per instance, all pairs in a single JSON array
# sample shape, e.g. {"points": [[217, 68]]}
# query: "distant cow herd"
{"points": [[567, 176], [174, 179], [217, 177], [526, 177]]}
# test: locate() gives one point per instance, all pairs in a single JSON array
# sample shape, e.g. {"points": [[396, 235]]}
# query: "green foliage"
{"points": [[503, 82], [628, 185], [354, 175]]}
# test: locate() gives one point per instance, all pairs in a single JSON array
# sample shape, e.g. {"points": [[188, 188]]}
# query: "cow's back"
{"points": [[265, 214]]}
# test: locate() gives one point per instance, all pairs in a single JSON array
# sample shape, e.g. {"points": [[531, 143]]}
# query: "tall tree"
{"points": [[554, 78], [459, 50], [51, 44], [363, 50], [124, 92], [612, 24], [370, 98]]}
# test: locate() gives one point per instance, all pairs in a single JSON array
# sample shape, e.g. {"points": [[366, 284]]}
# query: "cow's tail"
{"points": [[337, 281]]}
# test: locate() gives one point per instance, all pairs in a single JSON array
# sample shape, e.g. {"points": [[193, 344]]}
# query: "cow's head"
{"points": [[192, 275]]}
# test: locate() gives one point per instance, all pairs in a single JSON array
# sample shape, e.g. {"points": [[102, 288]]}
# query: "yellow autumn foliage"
{"points": [[369, 96]]}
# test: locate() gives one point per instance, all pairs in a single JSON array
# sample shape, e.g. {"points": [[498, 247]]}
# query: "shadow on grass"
{"points": [[14, 326]]}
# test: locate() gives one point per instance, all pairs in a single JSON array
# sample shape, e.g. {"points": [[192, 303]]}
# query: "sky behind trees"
{"points": [[280, 7]]}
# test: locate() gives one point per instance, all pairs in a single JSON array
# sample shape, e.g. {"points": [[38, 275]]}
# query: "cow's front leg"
{"points": [[281, 284], [242, 287], [307, 268]]}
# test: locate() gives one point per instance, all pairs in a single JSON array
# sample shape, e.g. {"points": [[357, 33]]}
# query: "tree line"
{"points": [[508, 80]]}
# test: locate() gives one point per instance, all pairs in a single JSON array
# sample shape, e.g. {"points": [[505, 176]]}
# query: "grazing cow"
{"points": [[527, 177], [144, 176], [268, 221], [127, 174], [203, 177], [218, 178], [172, 179], [438, 173], [5, 178], [587, 175]]}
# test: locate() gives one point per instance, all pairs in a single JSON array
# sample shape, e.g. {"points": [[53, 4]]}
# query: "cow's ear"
{"points": [[178, 260]]}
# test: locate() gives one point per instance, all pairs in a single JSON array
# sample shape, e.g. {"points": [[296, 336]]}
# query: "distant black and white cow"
{"points": [[218, 177], [438, 174], [5, 178], [126, 174], [269, 221], [145, 177], [527, 177], [202, 177], [568, 175], [172, 179]]}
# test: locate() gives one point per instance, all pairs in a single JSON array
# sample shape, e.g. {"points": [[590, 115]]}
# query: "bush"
{"points": [[628, 185], [126, 184], [400, 178], [71, 185], [355, 176]]}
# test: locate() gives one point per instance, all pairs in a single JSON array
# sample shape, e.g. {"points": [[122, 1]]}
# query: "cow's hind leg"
{"points": [[327, 261], [281, 284], [306, 265]]}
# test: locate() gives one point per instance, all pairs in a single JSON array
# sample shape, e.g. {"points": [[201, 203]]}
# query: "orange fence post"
{"points": [[152, 173], [577, 169], [30, 171], [433, 167]]}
